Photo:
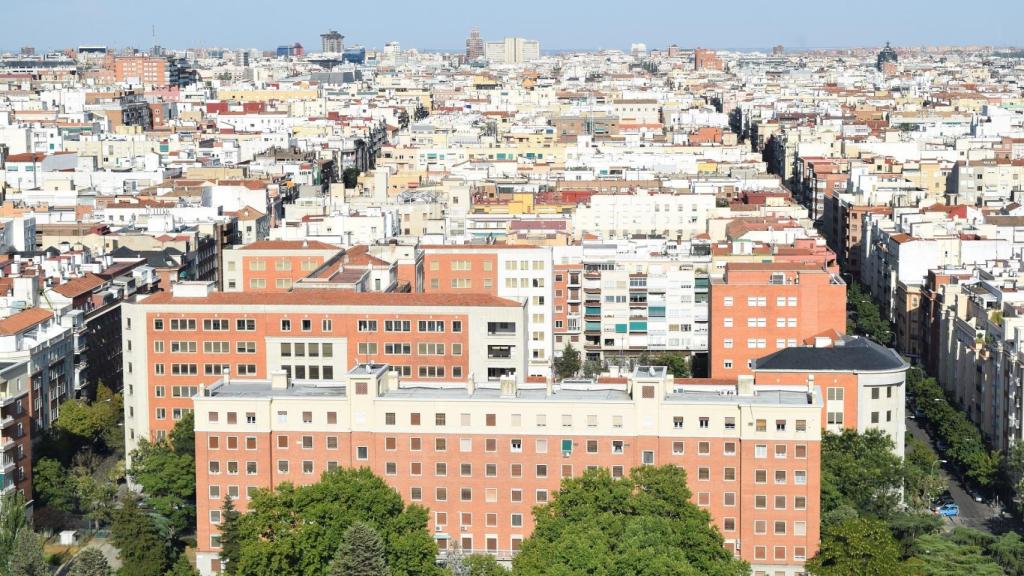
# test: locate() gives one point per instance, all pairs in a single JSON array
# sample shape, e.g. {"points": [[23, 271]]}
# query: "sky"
{"points": [[558, 24]]}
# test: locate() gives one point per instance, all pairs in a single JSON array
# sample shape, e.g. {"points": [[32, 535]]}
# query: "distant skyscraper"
{"points": [[332, 42], [474, 45]]}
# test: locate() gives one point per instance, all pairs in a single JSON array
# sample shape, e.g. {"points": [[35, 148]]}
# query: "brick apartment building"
{"points": [[274, 265], [520, 273], [178, 340], [481, 456], [758, 308]]}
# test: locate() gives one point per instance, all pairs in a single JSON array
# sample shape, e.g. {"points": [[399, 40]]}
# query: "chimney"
{"points": [[509, 389], [279, 380], [225, 375], [745, 385], [470, 385], [549, 386]]}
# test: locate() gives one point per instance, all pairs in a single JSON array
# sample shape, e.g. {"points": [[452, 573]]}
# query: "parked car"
{"points": [[948, 510]]}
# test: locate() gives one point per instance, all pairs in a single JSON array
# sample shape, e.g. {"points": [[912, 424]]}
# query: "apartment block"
{"points": [[863, 384], [15, 428], [757, 309], [190, 336], [480, 457], [274, 265], [520, 273], [636, 297]]}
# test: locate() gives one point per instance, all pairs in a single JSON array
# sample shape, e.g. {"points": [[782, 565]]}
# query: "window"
{"points": [[430, 325], [761, 451], [362, 453], [366, 326], [835, 394], [648, 457]]}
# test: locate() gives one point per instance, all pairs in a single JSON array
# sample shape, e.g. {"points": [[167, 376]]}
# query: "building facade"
{"points": [[480, 457]]}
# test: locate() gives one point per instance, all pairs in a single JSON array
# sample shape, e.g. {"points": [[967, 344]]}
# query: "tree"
{"points": [[677, 364], [1008, 551], [591, 368], [12, 521], [360, 553], [295, 531], [858, 547], [955, 555], [922, 478], [89, 421], [860, 471], [350, 176], [230, 546], [53, 486], [568, 363], [482, 565], [142, 544], [166, 471], [643, 525], [90, 562], [182, 567], [183, 436], [27, 557]]}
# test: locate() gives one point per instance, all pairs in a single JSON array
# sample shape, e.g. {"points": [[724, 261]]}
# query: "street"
{"points": [[972, 514]]}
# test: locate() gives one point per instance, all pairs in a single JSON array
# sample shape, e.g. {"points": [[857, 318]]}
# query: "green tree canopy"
{"points": [[167, 476], [1008, 551], [678, 365], [858, 547], [90, 562], [643, 525], [936, 555], [860, 471], [53, 486], [568, 364], [27, 556], [12, 521], [296, 531], [144, 547], [182, 567], [91, 421], [360, 553]]}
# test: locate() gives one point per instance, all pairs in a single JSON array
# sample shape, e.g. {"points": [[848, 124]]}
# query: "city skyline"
{"points": [[797, 24]]}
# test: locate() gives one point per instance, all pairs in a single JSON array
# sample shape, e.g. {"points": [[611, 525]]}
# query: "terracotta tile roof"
{"points": [[27, 157], [79, 286], [289, 245], [327, 297], [22, 321]]}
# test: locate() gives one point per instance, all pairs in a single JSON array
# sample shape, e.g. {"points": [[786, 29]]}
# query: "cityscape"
{"points": [[352, 308]]}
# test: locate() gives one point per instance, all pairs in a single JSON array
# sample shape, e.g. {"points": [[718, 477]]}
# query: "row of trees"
{"points": [[867, 529], [353, 524], [151, 531], [965, 445], [865, 317]]}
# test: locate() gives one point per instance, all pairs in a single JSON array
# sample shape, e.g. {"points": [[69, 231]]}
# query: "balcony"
{"points": [[6, 422], [6, 443]]}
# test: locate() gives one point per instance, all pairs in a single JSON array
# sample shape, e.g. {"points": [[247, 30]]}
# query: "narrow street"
{"points": [[972, 514]]}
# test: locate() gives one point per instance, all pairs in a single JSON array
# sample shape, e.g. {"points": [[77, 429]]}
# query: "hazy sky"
{"points": [[558, 24]]}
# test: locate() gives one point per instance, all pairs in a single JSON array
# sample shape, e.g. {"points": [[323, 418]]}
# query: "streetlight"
{"points": [[937, 462]]}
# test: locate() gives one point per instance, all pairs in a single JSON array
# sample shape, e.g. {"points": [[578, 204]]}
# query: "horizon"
{"points": [[570, 26]]}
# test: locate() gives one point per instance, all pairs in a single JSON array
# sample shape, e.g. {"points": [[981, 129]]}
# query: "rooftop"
{"points": [[852, 353]]}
